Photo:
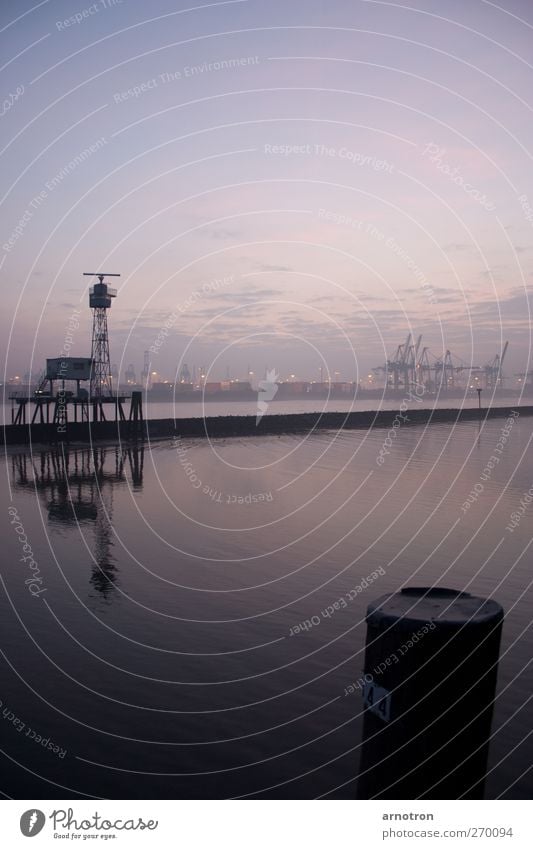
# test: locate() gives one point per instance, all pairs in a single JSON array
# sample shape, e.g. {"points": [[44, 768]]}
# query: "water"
{"points": [[157, 655]]}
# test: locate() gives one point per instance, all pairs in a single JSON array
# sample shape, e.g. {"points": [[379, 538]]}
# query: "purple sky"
{"points": [[351, 172]]}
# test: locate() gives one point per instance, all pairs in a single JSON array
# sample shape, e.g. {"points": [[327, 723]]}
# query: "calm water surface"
{"points": [[157, 655]]}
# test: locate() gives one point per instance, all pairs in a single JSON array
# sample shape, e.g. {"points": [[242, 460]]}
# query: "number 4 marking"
{"points": [[378, 700]]}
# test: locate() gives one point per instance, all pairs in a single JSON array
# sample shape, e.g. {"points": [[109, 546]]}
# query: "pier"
{"points": [[213, 427], [54, 409]]}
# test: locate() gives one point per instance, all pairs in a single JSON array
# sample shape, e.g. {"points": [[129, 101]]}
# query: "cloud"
{"points": [[251, 309], [457, 247], [516, 305], [247, 296], [441, 290], [261, 266], [495, 272], [223, 233], [343, 298]]}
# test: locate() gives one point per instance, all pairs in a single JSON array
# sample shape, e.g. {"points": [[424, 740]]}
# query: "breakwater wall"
{"points": [[227, 426]]}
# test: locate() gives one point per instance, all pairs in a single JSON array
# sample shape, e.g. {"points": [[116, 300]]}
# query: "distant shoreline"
{"points": [[215, 427]]}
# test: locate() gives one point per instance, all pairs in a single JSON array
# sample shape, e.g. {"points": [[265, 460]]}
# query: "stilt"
{"points": [[136, 420]]}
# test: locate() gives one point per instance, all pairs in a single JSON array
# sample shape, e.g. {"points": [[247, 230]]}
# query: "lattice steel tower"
{"points": [[100, 296]]}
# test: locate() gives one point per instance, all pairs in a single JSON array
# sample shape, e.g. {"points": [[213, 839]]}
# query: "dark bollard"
{"points": [[431, 663]]}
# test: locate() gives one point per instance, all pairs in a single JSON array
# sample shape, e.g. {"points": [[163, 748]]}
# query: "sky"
{"points": [[288, 185]]}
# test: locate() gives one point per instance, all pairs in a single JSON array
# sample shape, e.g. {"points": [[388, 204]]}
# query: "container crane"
{"points": [[493, 370]]}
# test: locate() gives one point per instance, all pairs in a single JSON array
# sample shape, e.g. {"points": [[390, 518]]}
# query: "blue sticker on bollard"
{"points": [[377, 699]]}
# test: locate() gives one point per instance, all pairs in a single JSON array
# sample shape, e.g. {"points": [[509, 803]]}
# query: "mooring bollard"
{"points": [[430, 673]]}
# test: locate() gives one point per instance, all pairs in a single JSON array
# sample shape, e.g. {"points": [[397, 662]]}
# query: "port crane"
{"points": [[493, 370], [412, 365], [400, 370]]}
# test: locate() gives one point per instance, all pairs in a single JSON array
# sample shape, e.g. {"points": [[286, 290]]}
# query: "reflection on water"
{"points": [[166, 654], [76, 486]]}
